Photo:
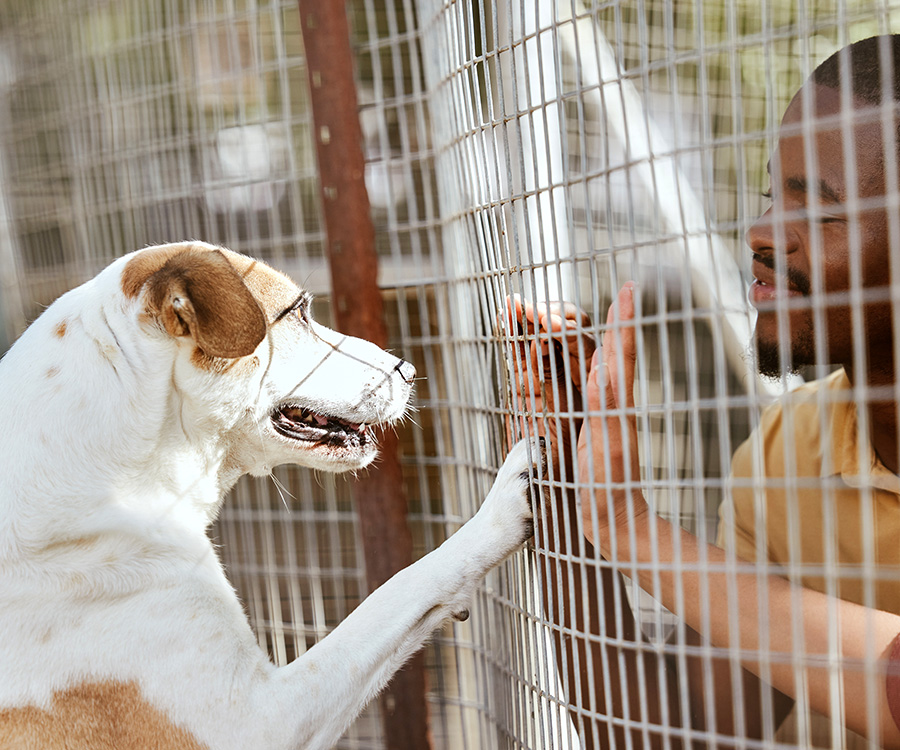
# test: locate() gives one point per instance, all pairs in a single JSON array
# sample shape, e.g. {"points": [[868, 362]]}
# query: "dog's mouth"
{"points": [[298, 423]]}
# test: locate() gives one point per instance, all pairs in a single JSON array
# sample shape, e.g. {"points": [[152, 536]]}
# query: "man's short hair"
{"points": [[873, 65]]}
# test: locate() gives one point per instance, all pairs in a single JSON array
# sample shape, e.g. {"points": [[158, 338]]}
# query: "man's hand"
{"points": [[608, 467], [551, 341]]}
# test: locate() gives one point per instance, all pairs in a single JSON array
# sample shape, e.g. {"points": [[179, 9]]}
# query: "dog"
{"points": [[129, 408]]}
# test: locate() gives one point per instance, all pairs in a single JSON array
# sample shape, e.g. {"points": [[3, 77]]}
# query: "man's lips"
{"points": [[769, 287], [764, 294]]}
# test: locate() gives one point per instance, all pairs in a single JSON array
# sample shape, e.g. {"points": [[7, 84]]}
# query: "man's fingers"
{"points": [[619, 349], [515, 314], [521, 314], [599, 386], [593, 384], [602, 404]]}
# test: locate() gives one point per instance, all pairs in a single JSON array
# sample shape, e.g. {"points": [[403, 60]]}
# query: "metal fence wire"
{"points": [[552, 150]]}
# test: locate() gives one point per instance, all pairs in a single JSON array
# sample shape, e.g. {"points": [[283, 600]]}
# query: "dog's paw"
{"points": [[517, 481]]}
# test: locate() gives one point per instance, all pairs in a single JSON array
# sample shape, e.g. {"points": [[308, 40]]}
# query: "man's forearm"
{"points": [[777, 625]]}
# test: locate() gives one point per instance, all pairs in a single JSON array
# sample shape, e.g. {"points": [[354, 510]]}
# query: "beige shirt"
{"points": [[821, 504], [816, 501]]}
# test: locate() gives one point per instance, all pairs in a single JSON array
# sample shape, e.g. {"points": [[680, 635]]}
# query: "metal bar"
{"points": [[358, 311]]}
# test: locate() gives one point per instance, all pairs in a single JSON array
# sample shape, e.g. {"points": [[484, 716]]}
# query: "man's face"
{"points": [[828, 212]]}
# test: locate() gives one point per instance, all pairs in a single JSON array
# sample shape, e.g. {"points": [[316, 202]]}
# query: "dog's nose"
{"points": [[406, 370]]}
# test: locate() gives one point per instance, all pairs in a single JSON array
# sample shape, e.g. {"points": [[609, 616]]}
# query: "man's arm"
{"points": [[759, 617], [714, 704], [604, 659], [600, 651], [599, 647]]}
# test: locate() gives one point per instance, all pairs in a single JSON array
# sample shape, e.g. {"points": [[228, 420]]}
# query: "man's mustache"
{"points": [[796, 279]]}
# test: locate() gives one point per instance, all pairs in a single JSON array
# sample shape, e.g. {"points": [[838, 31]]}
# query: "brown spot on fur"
{"points": [[96, 716], [203, 361], [52, 372], [273, 290], [198, 290], [108, 352], [143, 265], [61, 329], [218, 365], [76, 543]]}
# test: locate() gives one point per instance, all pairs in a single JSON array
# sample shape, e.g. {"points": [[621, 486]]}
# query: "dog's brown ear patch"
{"points": [[146, 263], [198, 293]]}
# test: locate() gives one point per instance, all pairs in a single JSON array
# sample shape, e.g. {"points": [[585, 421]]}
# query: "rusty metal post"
{"points": [[357, 304]]}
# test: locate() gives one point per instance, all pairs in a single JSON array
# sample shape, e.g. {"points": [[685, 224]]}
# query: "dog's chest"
{"points": [[154, 651]]}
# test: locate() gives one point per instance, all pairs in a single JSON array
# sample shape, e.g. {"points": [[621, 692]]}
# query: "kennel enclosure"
{"points": [[548, 149]]}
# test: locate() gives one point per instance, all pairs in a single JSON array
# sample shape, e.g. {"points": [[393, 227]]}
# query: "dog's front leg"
{"points": [[332, 682]]}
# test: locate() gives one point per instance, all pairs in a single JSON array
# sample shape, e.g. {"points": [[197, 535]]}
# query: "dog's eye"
{"points": [[303, 306], [300, 308]]}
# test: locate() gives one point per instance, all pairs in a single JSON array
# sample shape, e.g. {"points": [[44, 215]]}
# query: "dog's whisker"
{"points": [[282, 492]]}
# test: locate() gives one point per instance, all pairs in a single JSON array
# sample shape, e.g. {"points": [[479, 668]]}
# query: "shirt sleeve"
{"points": [[734, 534]]}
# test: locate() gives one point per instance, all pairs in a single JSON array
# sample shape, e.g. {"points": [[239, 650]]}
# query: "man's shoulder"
{"points": [[800, 413], [836, 381], [809, 397]]}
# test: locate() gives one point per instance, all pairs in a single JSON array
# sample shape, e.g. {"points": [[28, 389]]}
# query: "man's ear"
{"points": [[196, 292]]}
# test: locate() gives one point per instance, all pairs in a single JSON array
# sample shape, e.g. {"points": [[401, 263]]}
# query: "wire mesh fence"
{"points": [[550, 150]]}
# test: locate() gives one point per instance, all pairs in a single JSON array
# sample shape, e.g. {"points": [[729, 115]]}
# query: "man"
{"points": [[817, 484]]}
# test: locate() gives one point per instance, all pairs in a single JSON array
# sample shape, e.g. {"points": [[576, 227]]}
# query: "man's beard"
{"points": [[800, 349], [798, 353]]}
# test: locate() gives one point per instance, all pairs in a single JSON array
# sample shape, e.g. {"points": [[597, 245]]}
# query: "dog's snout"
{"points": [[407, 371]]}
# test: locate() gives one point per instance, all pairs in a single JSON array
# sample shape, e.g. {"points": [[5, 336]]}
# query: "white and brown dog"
{"points": [[128, 410]]}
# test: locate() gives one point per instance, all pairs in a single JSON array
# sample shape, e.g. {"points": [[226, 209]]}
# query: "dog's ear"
{"points": [[198, 293]]}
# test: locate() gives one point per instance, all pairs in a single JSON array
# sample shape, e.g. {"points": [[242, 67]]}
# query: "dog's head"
{"points": [[252, 364]]}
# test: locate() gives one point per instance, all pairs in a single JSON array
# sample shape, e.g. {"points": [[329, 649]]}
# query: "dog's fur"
{"points": [[128, 409]]}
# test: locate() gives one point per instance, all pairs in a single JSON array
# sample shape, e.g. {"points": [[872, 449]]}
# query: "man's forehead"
{"points": [[823, 109], [821, 123]]}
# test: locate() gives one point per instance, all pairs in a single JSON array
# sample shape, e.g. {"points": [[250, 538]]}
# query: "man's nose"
{"points": [[759, 235], [770, 232]]}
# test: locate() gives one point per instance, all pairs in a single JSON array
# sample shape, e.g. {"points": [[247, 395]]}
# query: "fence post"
{"points": [[358, 310]]}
